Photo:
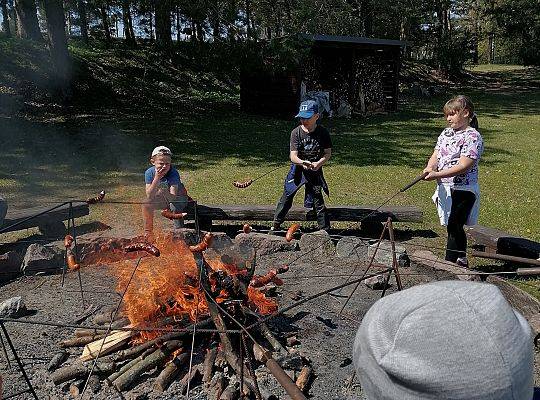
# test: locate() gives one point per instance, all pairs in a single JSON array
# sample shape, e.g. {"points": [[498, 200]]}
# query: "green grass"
{"points": [[75, 155], [494, 67]]}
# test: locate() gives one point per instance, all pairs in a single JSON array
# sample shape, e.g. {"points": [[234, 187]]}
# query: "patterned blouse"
{"points": [[451, 145]]}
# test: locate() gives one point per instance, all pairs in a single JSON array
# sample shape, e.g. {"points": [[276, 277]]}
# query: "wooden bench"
{"points": [[50, 224], [496, 241], [207, 213]]}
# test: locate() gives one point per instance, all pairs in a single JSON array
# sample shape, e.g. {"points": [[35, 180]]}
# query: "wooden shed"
{"points": [[361, 74]]}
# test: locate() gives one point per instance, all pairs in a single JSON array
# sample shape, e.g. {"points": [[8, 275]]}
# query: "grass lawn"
{"points": [[77, 156]]}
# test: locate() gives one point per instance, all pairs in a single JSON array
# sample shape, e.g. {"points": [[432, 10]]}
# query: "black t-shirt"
{"points": [[310, 146]]}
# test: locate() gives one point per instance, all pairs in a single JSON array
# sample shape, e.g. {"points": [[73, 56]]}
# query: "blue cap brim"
{"points": [[305, 114]]}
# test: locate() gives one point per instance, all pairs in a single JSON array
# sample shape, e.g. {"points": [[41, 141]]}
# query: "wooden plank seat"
{"points": [[49, 224], [208, 213], [497, 241]]}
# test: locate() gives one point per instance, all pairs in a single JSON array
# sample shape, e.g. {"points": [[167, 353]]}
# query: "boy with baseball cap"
{"points": [[310, 149], [163, 189]]}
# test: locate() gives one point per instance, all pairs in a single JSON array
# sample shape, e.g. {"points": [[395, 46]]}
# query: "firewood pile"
{"points": [[194, 315]]}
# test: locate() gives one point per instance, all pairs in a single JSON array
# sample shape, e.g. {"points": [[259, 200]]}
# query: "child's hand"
{"points": [[432, 175], [316, 166], [307, 164], [161, 172], [428, 169]]}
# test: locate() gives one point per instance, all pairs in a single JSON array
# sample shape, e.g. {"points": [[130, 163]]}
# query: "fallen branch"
{"points": [[171, 371]]}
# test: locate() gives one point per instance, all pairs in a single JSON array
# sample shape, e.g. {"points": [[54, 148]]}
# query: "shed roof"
{"points": [[355, 40]]}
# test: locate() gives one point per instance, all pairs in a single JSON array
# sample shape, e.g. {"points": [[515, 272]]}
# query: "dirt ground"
{"points": [[325, 338]]}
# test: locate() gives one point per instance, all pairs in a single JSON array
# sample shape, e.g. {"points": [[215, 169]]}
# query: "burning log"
{"points": [[171, 371], [190, 378], [216, 386], [79, 370], [208, 364], [153, 360]]}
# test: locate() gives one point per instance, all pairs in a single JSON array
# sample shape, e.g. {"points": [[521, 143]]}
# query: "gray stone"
{"points": [[265, 244], [291, 361], [375, 282], [220, 241], [384, 254], [12, 308], [3, 210], [39, 258], [10, 263], [317, 244], [352, 247]]}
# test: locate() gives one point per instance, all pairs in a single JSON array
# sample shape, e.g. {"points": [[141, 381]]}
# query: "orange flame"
{"points": [[165, 290]]}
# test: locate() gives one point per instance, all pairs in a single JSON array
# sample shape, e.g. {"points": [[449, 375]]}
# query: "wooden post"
{"points": [[394, 259]]}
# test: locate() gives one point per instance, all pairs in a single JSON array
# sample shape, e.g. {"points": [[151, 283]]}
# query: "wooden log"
{"points": [[171, 371], [335, 213], [502, 257], [75, 387], [79, 370], [57, 215], [196, 373], [216, 386], [113, 341], [80, 332], [130, 364], [208, 364], [303, 377], [80, 341], [231, 392], [497, 241], [153, 360], [94, 384], [57, 360]]}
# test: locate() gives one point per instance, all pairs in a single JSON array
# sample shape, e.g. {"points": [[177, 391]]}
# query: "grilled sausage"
{"points": [[242, 185], [290, 232], [149, 248], [173, 215], [72, 262], [203, 245], [96, 199], [246, 228], [68, 241]]}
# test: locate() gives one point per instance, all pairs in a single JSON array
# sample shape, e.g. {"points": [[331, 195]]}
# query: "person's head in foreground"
{"points": [[444, 340]]}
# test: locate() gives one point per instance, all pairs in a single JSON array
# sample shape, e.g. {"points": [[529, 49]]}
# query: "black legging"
{"points": [[462, 204]]}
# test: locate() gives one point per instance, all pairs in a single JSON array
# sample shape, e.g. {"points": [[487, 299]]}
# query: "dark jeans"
{"points": [[462, 204], [286, 201]]}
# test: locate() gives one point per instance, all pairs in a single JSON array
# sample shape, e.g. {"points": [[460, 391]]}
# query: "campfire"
{"points": [[192, 314]]}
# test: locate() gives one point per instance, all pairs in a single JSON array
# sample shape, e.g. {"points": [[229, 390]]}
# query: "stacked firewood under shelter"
{"points": [[205, 325]]}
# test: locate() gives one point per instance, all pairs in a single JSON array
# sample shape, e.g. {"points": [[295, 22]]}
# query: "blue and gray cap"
{"points": [[308, 108]]}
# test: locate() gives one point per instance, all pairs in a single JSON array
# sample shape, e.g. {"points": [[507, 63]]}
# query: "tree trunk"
{"points": [[200, 32], [491, 47], [27, 22], [54, 13], [367, 16], [177, 24], [105, 22], [248, 19], [163, 24], [5, 18], [83, 23], [128, 23]]}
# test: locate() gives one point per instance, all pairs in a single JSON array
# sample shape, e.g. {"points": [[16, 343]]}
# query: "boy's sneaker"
{"points": [[462, 262]]}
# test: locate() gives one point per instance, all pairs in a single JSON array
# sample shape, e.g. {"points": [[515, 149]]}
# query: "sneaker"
{"points": [[462, 262]]}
